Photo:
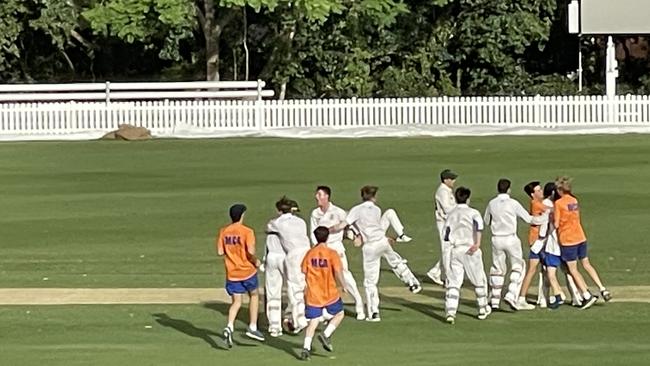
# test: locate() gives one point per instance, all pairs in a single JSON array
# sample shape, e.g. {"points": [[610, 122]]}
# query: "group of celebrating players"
{"points": [[312, 264]]}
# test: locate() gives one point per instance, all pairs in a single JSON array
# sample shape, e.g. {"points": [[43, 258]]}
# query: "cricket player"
{"points": [[573, 242], [501, 214], [537, 208], [444, 202], [462, 231], [273, 265], [322, 269], [292, 231], [552, 261], [236, 243], [331, 216], [366, 221]]}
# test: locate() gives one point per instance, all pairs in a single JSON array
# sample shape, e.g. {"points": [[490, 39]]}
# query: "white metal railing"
{"points": [[206, 117], [108, 91]]}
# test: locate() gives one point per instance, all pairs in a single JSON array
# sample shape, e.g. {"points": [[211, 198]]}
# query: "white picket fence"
{"points": [[321, 117]]}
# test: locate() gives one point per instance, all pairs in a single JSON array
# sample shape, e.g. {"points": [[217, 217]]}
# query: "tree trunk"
{"points": [[211, 42]]}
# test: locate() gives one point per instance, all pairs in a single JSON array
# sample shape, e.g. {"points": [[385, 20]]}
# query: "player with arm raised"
{"points": [[333, 217], [501, 214], [236, 243], [322, 269], [444, 202], [462, 231]]}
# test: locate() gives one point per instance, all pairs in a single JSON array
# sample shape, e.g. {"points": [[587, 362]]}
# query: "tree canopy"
{"points": [[314, 48]]}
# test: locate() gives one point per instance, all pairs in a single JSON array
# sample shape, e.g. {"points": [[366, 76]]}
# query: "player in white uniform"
{"points": [[292, 231], [333, 217], [273, 266], [275, 276], [444, 203], [501, 214], [367, 222], [462, 232]]}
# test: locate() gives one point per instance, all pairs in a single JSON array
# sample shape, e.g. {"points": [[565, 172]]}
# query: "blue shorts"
{"points": [[315, 312], [533, 255], [574, 252], [552, 260], [242, 287]]}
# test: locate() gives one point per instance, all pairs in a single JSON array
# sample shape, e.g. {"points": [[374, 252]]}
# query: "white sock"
{"points": [[586, 295], [602, 289], [231, 327], [252, 327], [307, 343], [522, 298], [551, 300], [329, 330]]}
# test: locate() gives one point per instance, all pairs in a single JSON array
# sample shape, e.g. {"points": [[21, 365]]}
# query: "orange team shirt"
{"points": [[567, 221], [319, 266], [537, 208], [235, 241]]}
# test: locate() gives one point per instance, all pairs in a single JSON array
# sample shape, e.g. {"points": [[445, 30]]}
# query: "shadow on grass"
{"points": [[189, 329], [278, 343]]}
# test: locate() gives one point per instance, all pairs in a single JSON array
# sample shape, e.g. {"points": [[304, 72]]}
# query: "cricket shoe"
{"points": [[511, 302], [484, 313], [403, 238], [255, 334], [416, 289], [326, 342], [374, 318], [361, 315], [451, 319], [287, 325], [305, 355], [522, 304], [606, 295], [435, 278], [586, 304], [275, 333], [557, 301], [227, 337]]}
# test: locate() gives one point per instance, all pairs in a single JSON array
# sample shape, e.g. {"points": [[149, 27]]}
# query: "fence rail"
{"points": [[164, 117]]}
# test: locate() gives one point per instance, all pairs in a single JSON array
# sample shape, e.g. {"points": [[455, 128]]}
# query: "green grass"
{"points": [[117, 214], [409, 334]]}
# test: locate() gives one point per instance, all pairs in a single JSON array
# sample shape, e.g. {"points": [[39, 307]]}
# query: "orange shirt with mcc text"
{"points": [[319, 266], [235, 240], [567, 221]]}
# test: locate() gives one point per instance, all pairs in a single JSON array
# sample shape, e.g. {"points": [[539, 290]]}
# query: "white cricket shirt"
{"points": [[367, 218], [292, 231], [462, 222], [334, 215], [502, 212], [444, 201]]}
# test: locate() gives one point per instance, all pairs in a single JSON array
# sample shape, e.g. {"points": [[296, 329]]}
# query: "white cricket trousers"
{"points": [[296, 286], [349, 282], [372, 254], [442, 265], [462, 264], [274, 279], [506, 247]]}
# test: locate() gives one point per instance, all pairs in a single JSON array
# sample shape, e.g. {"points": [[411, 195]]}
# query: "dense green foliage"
{"points": [[311, 48]]}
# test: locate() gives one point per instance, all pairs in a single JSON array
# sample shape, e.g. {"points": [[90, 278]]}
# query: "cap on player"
{"points": [[448, 174]]}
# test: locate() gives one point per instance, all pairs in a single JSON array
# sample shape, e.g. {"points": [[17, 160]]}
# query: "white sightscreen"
{"points": [[615, 16]]}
